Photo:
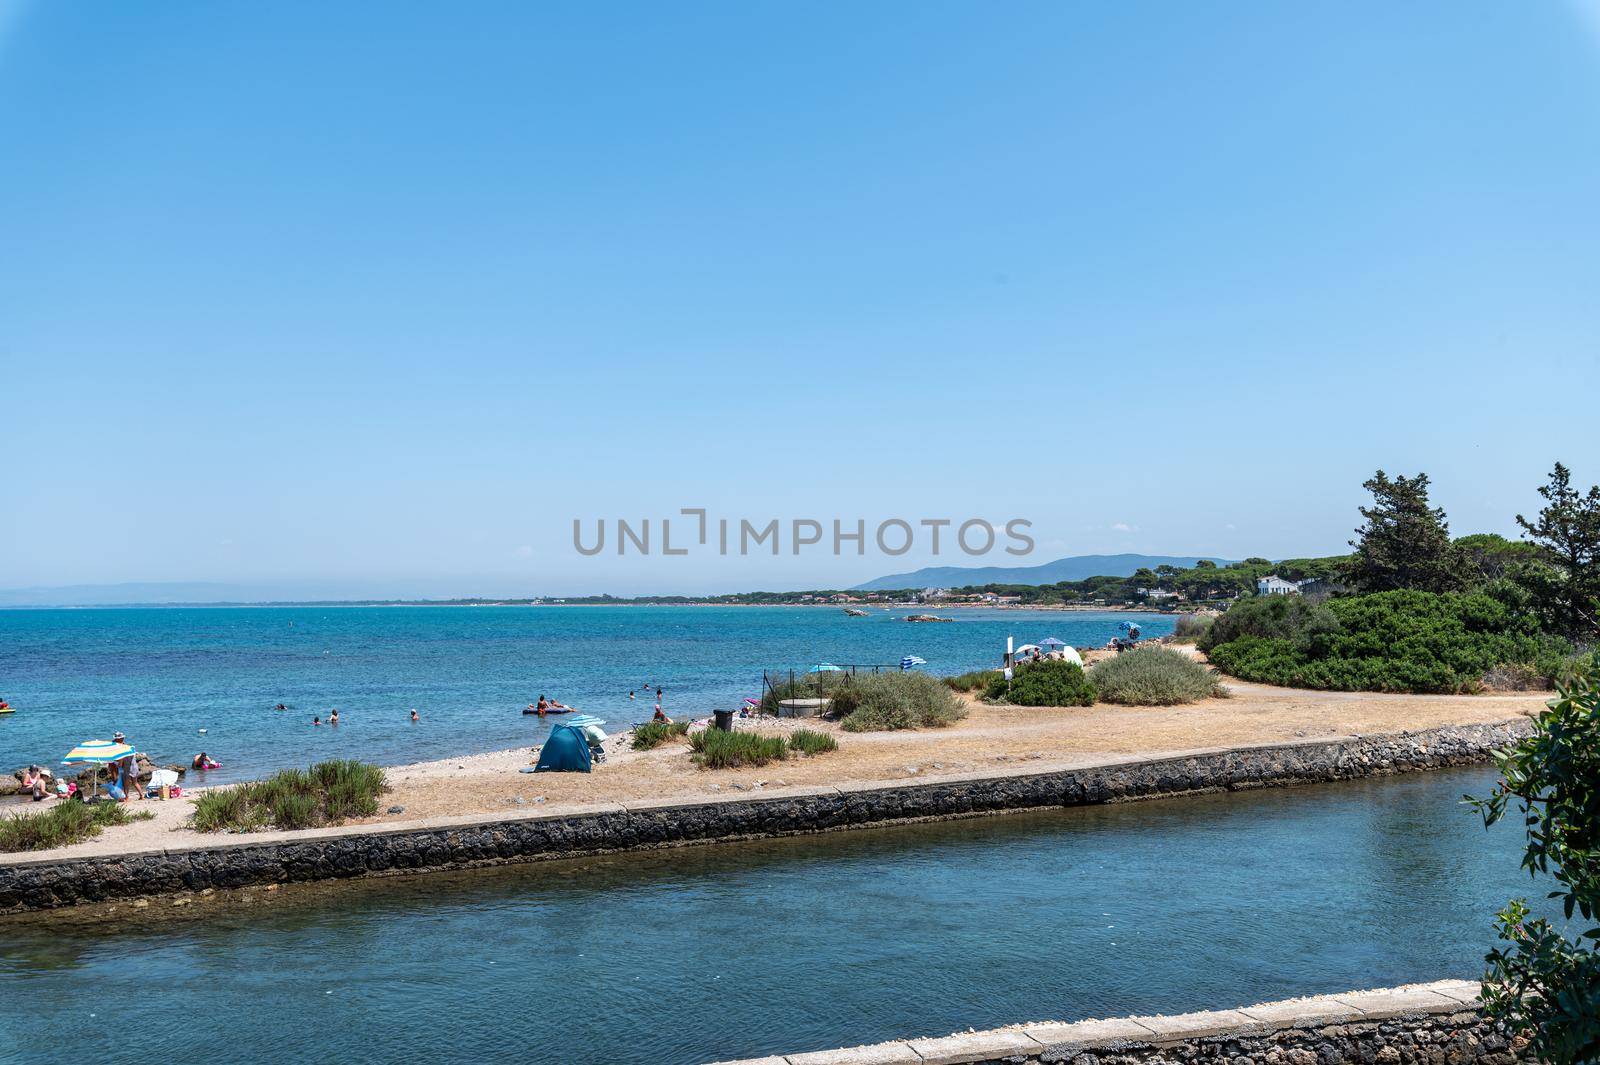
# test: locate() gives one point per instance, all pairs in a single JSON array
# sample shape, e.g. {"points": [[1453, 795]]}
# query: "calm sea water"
{"points": [[161, 675], [786, 945]]}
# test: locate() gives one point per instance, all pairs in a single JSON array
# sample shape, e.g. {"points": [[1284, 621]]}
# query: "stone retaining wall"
{"points": [[1420, 1024], [242, 861]]}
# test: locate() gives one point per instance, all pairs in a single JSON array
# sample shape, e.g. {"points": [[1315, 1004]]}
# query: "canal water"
{"points": [[787, 945]]}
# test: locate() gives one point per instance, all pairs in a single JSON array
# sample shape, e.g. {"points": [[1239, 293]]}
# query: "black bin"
{"points": [[724, 720]]}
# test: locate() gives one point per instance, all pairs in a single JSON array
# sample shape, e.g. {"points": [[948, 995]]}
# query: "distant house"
{"points": [[1159, 593], [934, 593], [1275, 585]]}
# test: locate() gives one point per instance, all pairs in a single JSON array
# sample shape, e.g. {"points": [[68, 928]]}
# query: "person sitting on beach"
{"points": [[35, 783], [659, 716], [414, 716]]}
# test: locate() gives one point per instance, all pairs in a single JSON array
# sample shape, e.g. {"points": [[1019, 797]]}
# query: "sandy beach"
{"points": [[989, 737]]}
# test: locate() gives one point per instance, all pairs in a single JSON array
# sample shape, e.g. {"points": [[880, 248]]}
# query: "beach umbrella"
{"points": [[97, 752], [912, 660], [825, 667], [1025, 648], [1051, 641]]}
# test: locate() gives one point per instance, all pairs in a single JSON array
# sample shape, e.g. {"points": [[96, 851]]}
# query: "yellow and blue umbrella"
{"points": [[97, 751]]}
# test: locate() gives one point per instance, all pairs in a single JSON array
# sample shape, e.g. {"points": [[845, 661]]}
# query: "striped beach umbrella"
{"points": [[97, 752]]}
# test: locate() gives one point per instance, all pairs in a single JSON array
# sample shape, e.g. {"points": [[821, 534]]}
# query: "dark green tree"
{"points": [[1405, 543], [1566, 588], [1539, 982]]}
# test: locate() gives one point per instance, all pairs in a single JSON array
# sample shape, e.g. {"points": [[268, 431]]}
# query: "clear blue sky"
{"points": [[337, 294]]}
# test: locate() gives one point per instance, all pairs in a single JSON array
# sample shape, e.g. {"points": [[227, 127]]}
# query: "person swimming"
{"points": [[333, 718], [414, 716], [203, 761], [316, 720], [280, 706]]}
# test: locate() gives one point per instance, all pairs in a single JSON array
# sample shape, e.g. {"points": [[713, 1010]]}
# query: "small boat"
{"points": [[853, 612]]}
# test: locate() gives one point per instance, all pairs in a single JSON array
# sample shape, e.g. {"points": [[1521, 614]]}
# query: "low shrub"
{"points": [[67, 821], [328, 793], [715, 749], [976, 681], [810, 741], [1405, 641], [1154, 676], [889, 701], [1051, 682], [648, 737], [1191, 627]]}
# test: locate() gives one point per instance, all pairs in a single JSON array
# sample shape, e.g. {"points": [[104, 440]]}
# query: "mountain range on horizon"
{"points": [[1072, 568], [169, 593]]}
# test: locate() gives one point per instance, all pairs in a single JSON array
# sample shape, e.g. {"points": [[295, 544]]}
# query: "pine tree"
{"points": [[1405, 543], [1566, 587]]}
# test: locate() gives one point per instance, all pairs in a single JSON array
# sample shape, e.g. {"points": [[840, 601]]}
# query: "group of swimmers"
{"points": [[333, 716]]}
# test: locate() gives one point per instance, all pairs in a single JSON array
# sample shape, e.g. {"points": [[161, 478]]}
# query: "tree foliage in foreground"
{"points": [[1540, 982]]}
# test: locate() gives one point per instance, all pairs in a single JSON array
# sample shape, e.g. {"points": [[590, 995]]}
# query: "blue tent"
{"points": [[565, 751]]}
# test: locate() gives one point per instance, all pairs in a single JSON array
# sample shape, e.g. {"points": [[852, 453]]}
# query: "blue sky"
{"points": [[382, 297]]}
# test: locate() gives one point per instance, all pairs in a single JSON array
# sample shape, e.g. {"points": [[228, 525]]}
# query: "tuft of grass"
{"points": [[811, 741], [1154, 676], [715, 749], [976, 681], [63, 823], [889, 701], [1191, 627], [328, 793], [652, 735]]}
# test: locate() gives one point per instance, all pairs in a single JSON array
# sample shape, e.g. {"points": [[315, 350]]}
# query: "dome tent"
{"points": [[566, 750]]}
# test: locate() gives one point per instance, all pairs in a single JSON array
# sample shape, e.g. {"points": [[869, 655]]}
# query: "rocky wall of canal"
{"points": [[29, 883], [1419, 1024]]}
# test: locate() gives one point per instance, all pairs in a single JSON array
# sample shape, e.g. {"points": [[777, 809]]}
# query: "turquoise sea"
{"points": [[160, 675]]}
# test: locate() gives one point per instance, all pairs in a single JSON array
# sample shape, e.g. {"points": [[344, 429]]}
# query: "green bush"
{"points": [[65, 822], [1154, 676], [649, 736], [889, 701], [1190, 627], [1403, 641], [976, 681], [716, 749], [810, 741], [1270, 617], [328, 793], [1051, 682]]}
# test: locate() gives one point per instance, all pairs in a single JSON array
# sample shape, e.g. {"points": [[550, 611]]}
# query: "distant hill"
{"points": [[1076, 568]]}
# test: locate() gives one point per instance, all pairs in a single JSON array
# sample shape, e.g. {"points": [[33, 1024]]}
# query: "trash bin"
{"points": [[724, 720]]}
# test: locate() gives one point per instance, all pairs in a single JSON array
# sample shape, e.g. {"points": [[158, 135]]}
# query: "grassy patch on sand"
{"points": [[716, 749], [66, 822], [649, 736], [328, 793], [809, 741]]}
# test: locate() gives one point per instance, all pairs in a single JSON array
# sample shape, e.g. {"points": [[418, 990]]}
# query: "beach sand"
{"points": [[989, 738]]}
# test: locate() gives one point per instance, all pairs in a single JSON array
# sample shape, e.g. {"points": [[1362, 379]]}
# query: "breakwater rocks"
{"points": [[36, 883], [1420, 1024]]}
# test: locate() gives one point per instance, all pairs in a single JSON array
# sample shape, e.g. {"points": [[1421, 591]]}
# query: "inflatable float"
{"points": [[549, 710]]}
